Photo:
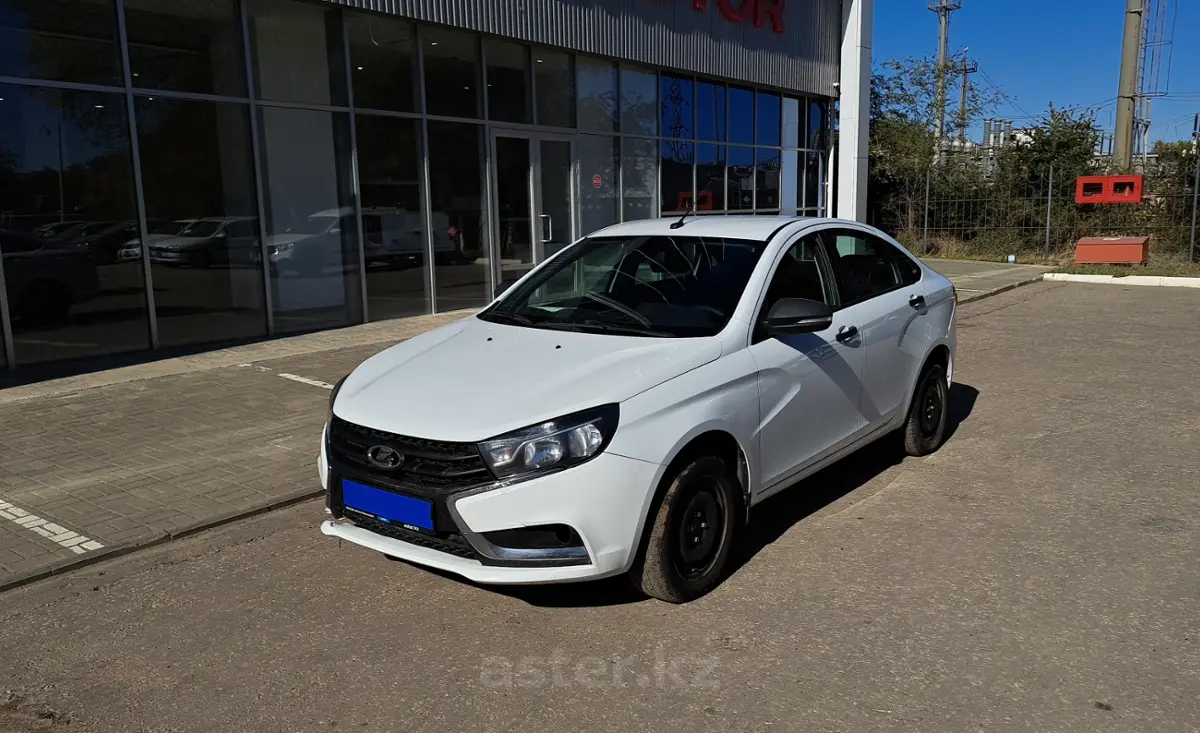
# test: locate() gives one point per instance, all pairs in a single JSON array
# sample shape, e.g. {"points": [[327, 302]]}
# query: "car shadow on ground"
{"points": [[769, 520]]}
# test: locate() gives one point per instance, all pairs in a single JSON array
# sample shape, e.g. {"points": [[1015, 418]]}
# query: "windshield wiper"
{"points": [[592, 325], [508, 317]]}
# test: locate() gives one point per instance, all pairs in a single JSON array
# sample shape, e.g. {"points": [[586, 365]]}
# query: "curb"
{"points": [[153, 540], [1002, 289], [1142, 280]]}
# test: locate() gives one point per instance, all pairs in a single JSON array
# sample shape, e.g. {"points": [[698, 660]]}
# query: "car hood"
{"points": [[473, 380], [180, 243]]}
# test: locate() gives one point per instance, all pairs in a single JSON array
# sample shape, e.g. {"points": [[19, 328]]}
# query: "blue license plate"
{"points": [[386, 506]]}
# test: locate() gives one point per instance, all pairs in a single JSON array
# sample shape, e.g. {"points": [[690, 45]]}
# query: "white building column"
{"points": [[854, 109]]}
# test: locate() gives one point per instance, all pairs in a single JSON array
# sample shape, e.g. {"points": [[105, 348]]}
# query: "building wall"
{"points": [[673, 34], [179, 174]]}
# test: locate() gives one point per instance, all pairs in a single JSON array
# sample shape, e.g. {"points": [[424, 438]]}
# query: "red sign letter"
{"points": [[772, 9]]}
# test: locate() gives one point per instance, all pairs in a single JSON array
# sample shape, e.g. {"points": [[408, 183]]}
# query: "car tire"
{"points": [[691, 533], [925, 429]]}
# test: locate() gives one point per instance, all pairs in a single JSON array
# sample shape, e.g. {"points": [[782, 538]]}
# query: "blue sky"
{"points": [[1061, 51]]}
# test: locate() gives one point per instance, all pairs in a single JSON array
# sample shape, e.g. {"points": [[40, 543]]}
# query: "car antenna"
{"points": [[679, 224]]}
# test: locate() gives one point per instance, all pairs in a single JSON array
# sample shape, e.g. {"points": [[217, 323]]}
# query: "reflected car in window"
{"points": [[159, 232], [215, 242], [45, 279]]}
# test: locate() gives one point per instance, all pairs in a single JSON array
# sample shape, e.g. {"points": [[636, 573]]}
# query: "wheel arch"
{"points": [[703, 442], [941, 354]]}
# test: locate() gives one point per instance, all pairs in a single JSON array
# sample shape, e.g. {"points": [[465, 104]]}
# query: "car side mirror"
{"points": [[791, 316], [502, 287]]}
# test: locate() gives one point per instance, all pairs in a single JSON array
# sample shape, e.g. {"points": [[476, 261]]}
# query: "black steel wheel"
{"points": [[925, 429], [691, 532]]}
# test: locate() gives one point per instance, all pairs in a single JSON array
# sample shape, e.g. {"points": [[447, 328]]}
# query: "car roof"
{"points": [[759, 228]]}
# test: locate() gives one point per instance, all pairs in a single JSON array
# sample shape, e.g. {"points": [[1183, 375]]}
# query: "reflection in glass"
{"points": [[598, 203], [741, 116], [766, 189], [508, 81], [677, 107], [451, 72], [298, 52], [813, 197], [186, 46], [710, 111], [710, 178], [793, 122], [768, 119], [381, 62], [514, 212], [741, 179], [639, 178], [66, 187], [554, 74], [677, 160], [203, 242], [456, 190], [312, 247], [790, 191], [597, 95], [394, 245], [62, 40], [639, 102], [554, 219], [816, 125]]}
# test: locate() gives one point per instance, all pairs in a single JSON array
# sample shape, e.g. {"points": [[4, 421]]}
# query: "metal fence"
{"points": [[954, 210]]}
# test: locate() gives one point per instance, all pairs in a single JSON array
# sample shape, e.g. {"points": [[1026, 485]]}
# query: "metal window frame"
{"points": [[355, 182], [138, 188], [259, 183]]}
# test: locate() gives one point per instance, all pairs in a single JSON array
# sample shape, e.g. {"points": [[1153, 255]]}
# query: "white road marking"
{"points": [[60, 536], [293, 377], [306, 380]]}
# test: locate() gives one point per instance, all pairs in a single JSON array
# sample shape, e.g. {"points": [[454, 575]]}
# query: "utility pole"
{"points": [[943, 8], [1195, 185], [1127, 92], [967, 68]]}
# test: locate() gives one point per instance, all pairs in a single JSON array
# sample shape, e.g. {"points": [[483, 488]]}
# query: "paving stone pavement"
{"points": [[105, 462]]}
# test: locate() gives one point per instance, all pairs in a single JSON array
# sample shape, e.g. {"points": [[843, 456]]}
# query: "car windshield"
{"points": [[201, 229], [313, 225], [664, 286]]}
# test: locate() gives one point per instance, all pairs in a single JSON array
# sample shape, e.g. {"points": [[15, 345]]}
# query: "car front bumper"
{"points": [[604, 501]]}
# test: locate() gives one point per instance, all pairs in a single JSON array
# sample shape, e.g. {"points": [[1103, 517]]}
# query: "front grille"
{"points": [[431, 467], [448, 542]]}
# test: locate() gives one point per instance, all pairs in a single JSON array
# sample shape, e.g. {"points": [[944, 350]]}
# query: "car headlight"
{"points": [[552, 445], [333, 396]]}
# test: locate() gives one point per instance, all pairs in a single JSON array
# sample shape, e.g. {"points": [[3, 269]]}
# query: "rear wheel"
{"points": [[691, 533], [925, 429]]}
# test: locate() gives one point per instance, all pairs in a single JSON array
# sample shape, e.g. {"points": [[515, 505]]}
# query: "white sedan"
{"points": [[624, 406]]}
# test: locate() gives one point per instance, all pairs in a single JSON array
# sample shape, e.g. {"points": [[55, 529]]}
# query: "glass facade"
{"points": [[211, 171]]}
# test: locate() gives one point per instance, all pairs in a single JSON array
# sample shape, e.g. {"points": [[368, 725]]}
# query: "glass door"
{"points": [[533, 203]]}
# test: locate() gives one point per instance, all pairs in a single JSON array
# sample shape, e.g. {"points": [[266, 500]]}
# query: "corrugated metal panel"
{"points": [[666, 33]]}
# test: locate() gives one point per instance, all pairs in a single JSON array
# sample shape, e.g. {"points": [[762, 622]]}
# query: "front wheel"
{"points": [[925, 429], [691, 533]]}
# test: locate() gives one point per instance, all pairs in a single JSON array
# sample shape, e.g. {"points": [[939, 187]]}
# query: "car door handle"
{"points": [[846, 334], [917, 301]]}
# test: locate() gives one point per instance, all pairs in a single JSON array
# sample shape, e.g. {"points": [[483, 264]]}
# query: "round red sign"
{"points": [[596, 181]]}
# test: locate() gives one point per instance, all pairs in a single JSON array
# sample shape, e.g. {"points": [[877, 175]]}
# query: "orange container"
{"points": [[1112, 250]]}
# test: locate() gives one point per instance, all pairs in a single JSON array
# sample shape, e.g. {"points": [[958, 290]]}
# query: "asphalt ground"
{"points": [[1039, 573]]}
